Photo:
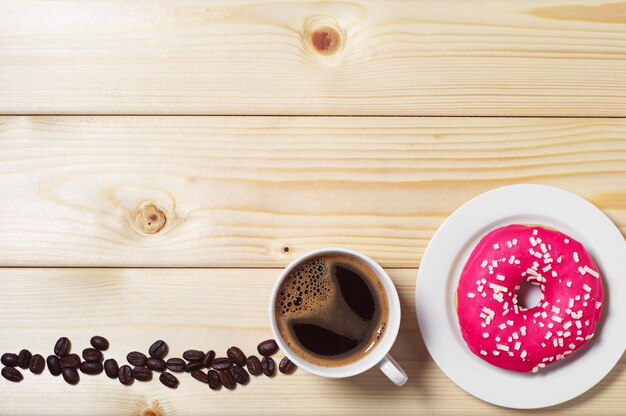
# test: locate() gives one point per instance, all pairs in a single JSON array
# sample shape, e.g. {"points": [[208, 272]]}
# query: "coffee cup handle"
{"points": [[392, 369]]}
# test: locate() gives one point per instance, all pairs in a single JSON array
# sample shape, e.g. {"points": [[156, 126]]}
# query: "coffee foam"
{"points": [[310, 282]]}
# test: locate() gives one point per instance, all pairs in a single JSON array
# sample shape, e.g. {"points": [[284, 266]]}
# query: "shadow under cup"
{"points": [[359, 362]]}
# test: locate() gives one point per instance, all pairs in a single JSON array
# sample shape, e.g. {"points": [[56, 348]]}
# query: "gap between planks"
{"points": [[177, 267], [302, 115]]}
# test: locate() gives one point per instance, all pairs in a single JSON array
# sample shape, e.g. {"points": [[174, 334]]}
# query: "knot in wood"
{"points": [[326, 40], [149, 218], [322, 37], [149, 412]]}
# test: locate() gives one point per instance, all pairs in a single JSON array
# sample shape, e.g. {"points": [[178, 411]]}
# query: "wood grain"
{"points": [[213, 308], [485, 57], [240, 192]]}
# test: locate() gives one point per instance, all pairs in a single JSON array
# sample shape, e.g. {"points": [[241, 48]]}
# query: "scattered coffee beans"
{"points": [[23, 359], [208, 359], [110, 368], [254, 365], [267, 347], [92, 354], [54, 365], [169, 380], [125, 375], [91, 367], [227, 379], [223, 371], [214, 380], [136, 358], [9, 359], [176, 365], [240, 374], [158, 349], [221, 363], [99, 343], [70, 375], [12, 374], [70, 361], [142, 373], [193, 355], [193, 365], [286, 366], [37, 364], [200, 375], [268, 366], [156, 364], [62, 347], [237, 356]]}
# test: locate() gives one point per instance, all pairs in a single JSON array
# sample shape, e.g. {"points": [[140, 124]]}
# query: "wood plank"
{"points": [[94, 191], [213, 308], [484, 57]]}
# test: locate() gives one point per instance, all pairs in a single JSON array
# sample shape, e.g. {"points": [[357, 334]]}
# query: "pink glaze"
{"points": [[503, 333]]}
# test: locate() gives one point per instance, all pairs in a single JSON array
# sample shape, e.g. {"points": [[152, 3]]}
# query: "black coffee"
{"points": [[331, 310]]}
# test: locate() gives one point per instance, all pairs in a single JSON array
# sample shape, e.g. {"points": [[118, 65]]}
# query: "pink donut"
{"points": [[505, 334]]}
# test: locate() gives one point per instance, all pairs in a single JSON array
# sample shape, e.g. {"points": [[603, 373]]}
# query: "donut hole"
{"points": [[528, 295]]}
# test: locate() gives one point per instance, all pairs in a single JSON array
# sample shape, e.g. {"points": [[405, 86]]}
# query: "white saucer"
{"points": [[440, 270]]}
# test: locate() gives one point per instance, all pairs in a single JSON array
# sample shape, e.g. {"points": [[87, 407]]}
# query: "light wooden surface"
{"points": [[238, 191], [481, 57], [215, 308], [124, 215], [233, 192]]}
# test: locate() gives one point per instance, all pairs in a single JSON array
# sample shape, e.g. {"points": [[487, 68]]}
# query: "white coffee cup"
{"points": [[379, 356]]}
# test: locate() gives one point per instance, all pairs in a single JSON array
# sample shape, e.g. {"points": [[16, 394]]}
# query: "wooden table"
{"points": [[162, 160]]}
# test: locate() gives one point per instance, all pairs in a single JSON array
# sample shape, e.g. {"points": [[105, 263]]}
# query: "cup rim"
{"points": [[373, 357]]}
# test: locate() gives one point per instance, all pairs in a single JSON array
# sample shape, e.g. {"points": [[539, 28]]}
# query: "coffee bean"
{"points": [[169, 380], [23, 359], [70, 361], [192, 366], [214, 380], [111, 368], [92, 354], [136, 358], [91, 367], [254, 365], [158, 349], [240, 374], [269, 366], [54, 365], [286, 366], [156, 364], [227, 379], [99, 343], [70, 375], [221, 363], [12, 374], [125, 375], [9, 359], [200, 375], [37, 364], [193, 355], [208, 359], [236, 356], [267, 347], [62, 347], [176, 365], [142, 373]]}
